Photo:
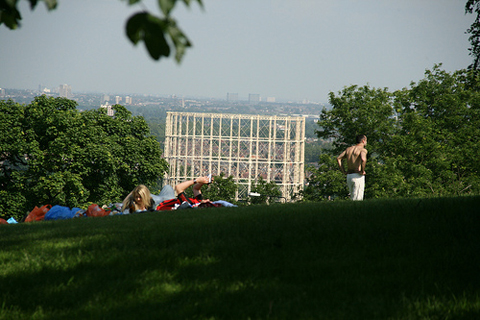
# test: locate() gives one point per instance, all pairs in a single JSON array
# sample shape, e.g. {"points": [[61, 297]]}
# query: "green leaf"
{"points": [[154, 38], [166, 6], [9, 15], [33, 4], [134, 27], [150, 29], [180, 41], [187, 2], [51, 4]]}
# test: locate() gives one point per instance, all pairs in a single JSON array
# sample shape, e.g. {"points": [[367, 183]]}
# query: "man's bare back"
{"points": [[356, 158]]}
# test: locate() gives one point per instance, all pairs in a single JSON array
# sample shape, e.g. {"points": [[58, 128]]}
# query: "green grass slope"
{"points": [[389, 259]]}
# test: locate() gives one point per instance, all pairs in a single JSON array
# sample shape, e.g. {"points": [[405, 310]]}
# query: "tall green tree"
{"points": [[50, 153], [357, 110], [160, 33], [474, 31], [268, 192], [223, 188], [440, 134], [324, 182], [422, 140]]}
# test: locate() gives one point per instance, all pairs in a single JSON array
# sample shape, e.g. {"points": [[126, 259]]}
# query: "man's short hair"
{"points": [[360, 137]]}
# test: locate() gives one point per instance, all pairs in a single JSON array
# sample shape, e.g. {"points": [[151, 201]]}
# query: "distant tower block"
{"points": [[64, 90], [243, 146], [253, 98], [232, 97]]}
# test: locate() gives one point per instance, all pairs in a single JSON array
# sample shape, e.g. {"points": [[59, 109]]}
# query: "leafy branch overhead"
{"points": [[160, 34], [474, 31]]}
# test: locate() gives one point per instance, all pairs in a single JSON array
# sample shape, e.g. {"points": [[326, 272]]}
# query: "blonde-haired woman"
{"points": [[138, 200]]}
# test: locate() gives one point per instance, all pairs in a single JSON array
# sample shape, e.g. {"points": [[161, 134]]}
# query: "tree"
{"points": [[267, 191], [221, 189], [159, 33], [157, 128], [440, 134], [53, 154], [357, 110], [325, 182], [422, 141], [474, 31], [314, 149]]}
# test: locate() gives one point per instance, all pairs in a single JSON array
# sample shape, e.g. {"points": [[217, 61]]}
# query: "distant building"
{"points": [[106, 97], [43, 89], [110, 111], [118, 99], [2, 92], [271, 99], [233, 97], [64, 90], [253, 98], [128, 100], [243, 146]]}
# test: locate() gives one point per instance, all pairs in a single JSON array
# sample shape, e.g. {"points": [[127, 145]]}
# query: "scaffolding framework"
{"points": [[243, 146]]}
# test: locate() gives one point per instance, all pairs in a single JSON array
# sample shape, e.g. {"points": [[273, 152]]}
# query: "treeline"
{"points": [[51, 153], [423, 141]]}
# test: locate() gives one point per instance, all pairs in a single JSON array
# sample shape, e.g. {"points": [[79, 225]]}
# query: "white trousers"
{"points": [[356, 185]]}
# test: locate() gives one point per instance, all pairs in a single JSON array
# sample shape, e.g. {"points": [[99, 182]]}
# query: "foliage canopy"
{"points": [[422, 141], [50, 153], [474, 31], [268, 192]]}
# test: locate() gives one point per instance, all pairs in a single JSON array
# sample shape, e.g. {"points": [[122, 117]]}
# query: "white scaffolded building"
{"points": [[243, 146]]}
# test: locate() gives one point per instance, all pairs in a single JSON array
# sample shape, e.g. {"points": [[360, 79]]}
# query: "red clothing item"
{"points": [[167, 204], [181, 198]]}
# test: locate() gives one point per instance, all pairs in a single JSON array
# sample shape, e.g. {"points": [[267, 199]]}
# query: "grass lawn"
{"points": [[376, 259]]}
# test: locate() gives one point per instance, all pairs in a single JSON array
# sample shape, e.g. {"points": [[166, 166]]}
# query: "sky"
{"points": [[292, 50]]}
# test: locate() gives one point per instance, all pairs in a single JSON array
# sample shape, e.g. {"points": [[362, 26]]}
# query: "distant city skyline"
{"points": [[282, 50], [65, 90]]}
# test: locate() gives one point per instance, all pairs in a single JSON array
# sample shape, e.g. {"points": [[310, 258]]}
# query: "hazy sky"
{"points": [[287, 49]]}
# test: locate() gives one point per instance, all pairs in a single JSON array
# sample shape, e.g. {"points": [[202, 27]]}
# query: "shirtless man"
{"points": [[356, 160]]}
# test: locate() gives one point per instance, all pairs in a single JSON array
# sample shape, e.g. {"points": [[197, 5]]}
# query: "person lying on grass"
{"points": [[140, 199], [185, 202]]}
